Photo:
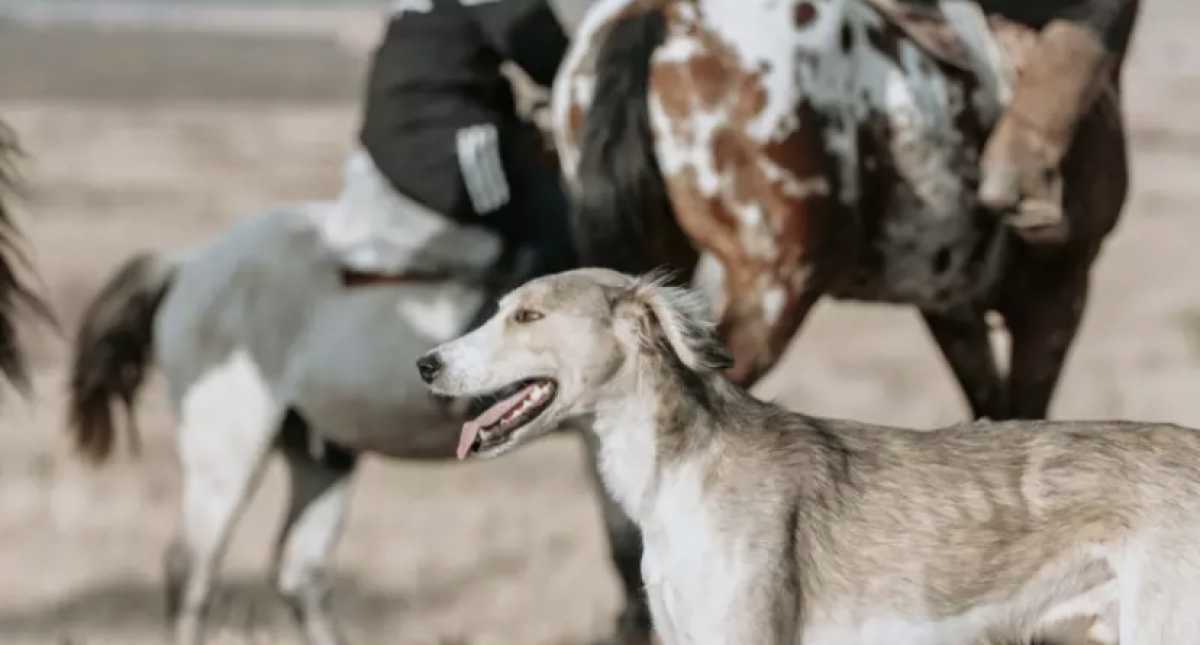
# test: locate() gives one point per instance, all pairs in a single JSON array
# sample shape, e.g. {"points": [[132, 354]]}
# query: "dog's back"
{"points": [[1005, 529]]}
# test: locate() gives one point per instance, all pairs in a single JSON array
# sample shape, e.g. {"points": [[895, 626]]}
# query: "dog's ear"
{"points": [[679, 318]]}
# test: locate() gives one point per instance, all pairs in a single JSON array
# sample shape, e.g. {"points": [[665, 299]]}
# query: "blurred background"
{"points": [[155, 125]]}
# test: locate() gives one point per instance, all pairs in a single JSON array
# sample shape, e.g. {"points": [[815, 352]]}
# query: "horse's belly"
{"points": [[927, 262], [354, 375], [401, 432]]}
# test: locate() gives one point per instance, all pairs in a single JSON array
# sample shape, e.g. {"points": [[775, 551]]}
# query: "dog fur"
{"points": [[766, 526]]}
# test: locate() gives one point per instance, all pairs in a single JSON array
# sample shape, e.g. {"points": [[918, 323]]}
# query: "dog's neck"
{"points": [[665, 416]]}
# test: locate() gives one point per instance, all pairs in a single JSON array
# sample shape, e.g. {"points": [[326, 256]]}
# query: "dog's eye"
{"points": [[524, 316]]}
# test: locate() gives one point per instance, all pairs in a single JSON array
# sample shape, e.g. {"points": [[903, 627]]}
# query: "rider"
{"points": [[441, 127], [1080, 44]]}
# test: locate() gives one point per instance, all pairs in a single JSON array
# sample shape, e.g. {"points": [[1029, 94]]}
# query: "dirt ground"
{"points": [[160, 138]]}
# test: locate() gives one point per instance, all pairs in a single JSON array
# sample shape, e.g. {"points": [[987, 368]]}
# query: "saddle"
{"points": [[955, 32], [380, 236]]}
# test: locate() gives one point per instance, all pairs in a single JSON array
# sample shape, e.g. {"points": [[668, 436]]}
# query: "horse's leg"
{"points": [[625, 548], [1042, 318], [320, 497], [1044, 296], [962, 335], [227, 422]]}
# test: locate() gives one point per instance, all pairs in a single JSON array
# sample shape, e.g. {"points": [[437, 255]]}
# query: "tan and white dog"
{"points": [[762, 526]]}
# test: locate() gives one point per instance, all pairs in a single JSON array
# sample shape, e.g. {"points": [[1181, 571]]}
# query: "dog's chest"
{"points": [[694, 573]]}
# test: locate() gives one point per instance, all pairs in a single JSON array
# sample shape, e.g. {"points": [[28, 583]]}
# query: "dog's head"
{"points": [[560, 345]]}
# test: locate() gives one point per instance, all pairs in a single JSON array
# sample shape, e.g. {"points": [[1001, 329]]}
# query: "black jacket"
{"points": [[438, 70], [443, 66]]}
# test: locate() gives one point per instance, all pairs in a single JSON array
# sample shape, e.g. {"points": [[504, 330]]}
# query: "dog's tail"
{"points": [[622, 198], [112, 352]]}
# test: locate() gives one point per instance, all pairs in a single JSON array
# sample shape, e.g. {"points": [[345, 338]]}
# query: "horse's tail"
{"points": [[14, 291], [621, 195], [112, 351]]}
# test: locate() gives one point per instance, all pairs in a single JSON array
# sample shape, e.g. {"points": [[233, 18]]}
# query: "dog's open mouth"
{"points": [[518, 404]]}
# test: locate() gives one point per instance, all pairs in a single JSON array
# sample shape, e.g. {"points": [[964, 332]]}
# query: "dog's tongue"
{"points": [[471, 429]]}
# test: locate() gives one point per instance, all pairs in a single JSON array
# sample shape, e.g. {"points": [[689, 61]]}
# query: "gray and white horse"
{"points": [[269, 345]]}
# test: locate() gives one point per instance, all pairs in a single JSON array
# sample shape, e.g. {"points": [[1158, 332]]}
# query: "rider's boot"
{"points": [[1021, 163]]}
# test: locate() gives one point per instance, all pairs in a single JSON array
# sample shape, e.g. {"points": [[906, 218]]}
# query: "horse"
{"points": [[811, 148], [270, 345], [15, 292], [780, 151]]}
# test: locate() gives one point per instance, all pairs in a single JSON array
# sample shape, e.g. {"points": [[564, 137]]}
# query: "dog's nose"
{"points": [[429, 365]]}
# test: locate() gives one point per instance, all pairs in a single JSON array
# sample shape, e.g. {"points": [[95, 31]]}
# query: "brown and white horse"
{"points": [[14, 292], [813, 147]]}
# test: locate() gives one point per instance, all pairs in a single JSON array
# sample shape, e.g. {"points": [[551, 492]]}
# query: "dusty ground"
{"points": [[161, 139]]}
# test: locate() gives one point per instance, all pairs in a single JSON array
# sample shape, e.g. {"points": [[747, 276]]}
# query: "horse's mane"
{"points": [[14, 292]]}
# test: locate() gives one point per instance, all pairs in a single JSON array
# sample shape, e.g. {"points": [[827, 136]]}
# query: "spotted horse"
{"points": [[815, 147], [785, 150]]}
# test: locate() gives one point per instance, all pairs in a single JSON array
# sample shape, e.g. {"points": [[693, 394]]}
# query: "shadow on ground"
{"points": [[244, 610]]}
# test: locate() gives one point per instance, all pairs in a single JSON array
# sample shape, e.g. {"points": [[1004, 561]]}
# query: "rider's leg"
{"points": [[1073, 59], [425, 165], [1021, 160]]}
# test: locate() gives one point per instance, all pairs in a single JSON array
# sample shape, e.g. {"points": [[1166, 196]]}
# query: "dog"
{"points": [[763, 526]]}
